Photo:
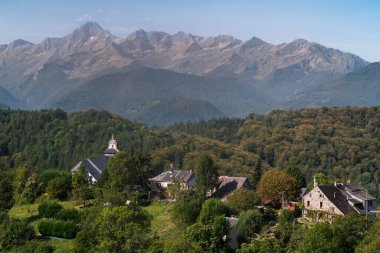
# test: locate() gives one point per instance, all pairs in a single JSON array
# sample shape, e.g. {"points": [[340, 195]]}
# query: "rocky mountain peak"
{"points": [[19, 43], [89, 30]]}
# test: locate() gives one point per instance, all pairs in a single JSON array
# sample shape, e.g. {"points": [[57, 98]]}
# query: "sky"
{"points": [[351, 25]]}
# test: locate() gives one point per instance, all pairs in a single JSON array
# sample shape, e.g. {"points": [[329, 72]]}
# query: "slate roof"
{"points": [[94, 165], [230, 184], [110, 151], [186, 176], [339, 200], [353, 191]]}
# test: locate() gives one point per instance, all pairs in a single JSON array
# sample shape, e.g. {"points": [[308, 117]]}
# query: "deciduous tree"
{"points": [[276, 186]]}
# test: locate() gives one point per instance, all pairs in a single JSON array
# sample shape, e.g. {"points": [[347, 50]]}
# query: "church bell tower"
{"points": [[112, 147]]}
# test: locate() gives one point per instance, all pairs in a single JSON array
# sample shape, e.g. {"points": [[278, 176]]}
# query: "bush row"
{"points": [[55, 210], [62, 229]]}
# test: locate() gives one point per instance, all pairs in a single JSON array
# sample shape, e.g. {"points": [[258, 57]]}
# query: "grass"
{"points": [[162, 223], [62, 246], [29, 210]]}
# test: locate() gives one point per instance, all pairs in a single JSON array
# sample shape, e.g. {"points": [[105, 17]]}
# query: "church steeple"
{"points": [[112, 147]]}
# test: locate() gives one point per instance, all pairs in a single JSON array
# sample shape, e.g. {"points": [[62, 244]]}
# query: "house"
{"points": [[229, 184], [160, 183], [324, 202], [96, 165]]}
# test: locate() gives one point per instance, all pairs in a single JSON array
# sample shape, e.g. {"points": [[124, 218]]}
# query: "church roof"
{"points": [[110, 151], [96, 165]]}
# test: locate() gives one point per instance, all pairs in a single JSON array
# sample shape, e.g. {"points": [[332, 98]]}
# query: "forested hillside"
{"points": [[343, 143], [55, 139]]}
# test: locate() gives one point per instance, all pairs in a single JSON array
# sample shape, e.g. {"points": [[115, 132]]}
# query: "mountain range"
{"points": [[140, 75]]}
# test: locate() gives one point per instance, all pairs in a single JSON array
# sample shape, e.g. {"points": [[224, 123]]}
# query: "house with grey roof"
{"points": [[227, 185], [96, 165], [324, 202], [160, 183]]}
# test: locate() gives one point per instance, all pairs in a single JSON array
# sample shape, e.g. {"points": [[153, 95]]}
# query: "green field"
{"points": [[162, 223]]}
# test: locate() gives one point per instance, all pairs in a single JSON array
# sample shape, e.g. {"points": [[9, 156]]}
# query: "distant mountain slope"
{"points": [[119, 92], [278, 71], [360, 88], [167, 111], [8, 100], [3, 106]]}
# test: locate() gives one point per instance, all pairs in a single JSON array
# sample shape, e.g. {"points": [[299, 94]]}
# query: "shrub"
{"points": [[49, 209], [68, 215], [212, 208], [13, 233], [35, 246], [250, 222], [242, 200], [63, 229], [58, 188]]}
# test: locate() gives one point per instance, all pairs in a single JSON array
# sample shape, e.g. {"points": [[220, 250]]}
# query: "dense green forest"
{"points": [[343, 143]]}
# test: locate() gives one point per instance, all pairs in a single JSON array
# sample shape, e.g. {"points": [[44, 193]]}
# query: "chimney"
{"points": [[315, 182], [171, 167], [334, 194], [335, 186]]}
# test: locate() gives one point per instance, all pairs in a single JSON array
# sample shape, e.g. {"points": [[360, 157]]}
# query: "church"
{"points": [[97, 164]]}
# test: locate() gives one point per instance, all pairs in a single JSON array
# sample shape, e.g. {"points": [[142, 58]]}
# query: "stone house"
{"points": [[159, 184], [325, 202]]}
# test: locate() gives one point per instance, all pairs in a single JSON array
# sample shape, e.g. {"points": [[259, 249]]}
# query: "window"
{"points": [[320, 204], [308, 203]]}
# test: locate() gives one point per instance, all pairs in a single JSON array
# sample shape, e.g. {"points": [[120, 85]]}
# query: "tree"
{"points": [[179, 244], [242, 200], [210, 237], [122, 174], [206, 174], [81, 184], [6, 192], [276, 186], [320, 178], [250, 223], [212, 208], [187, 208], [14, 232], [20, 179], [117, 229], [58, 188], [297, 174], [258, 172], [263, 245], [319, 238], [371, 241], [284, 229], [349, 230]]}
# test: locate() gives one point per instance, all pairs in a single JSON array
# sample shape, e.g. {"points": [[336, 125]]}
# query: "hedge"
{"points": [[68, 215], [62, 229], [48, 209]]}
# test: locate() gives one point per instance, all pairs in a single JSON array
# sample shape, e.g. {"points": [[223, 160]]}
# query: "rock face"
{"points": [[41, 74]]}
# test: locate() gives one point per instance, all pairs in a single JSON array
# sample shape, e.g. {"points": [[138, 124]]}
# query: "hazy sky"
{"points": [[352, 26]]}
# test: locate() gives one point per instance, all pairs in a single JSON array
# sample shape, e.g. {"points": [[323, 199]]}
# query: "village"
{"points": [[322, 203]]}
